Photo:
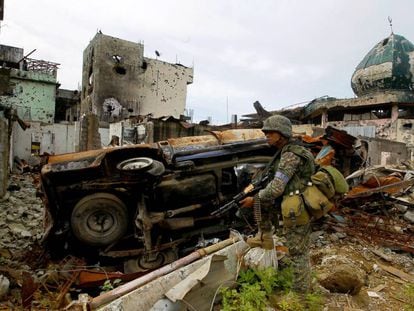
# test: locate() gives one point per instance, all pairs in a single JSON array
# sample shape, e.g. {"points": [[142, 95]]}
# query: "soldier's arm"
{"points": [[288, 165]]}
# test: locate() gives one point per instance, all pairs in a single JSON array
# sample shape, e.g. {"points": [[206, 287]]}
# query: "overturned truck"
{"points": [[147, 203]]}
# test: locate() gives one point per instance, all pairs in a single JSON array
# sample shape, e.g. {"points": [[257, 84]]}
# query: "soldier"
{"points": [[292, 169]]}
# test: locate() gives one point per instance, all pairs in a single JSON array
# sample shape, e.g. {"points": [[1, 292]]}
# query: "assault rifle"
{"points": [[251, 189]]}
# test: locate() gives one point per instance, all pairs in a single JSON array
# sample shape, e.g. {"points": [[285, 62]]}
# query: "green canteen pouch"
{"points": [[316, 202], [339, 181], [293, 211], [324, 183]]}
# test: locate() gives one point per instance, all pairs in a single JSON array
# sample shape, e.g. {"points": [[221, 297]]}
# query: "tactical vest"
{"points": [[306, 170], [293, 208]]}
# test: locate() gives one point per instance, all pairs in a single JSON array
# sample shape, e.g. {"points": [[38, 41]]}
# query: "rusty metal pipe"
{"points": [[130, 286], [189, 208]]}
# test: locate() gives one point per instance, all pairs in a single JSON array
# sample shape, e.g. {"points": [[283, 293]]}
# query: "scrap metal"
{"points": [[375, 228]]}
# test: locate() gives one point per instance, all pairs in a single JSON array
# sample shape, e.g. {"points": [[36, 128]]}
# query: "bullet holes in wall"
{"points": [[407, 126], [120, 70]]}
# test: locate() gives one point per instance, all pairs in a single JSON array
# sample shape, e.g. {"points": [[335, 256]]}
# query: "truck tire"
{"points": [[135, 167], [99, 219]]}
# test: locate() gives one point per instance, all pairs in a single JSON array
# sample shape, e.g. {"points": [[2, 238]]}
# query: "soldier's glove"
{"points": [[247, 202]]}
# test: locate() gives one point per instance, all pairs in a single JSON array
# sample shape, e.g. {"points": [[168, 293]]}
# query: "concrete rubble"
{"points": [[366, 242], [349, 269], [21, 215]]}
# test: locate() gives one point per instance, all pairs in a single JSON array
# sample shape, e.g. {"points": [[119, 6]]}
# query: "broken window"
{"points": [[316, 121], [90, 79], [406, 112], [359, 114], [120, 70], [335, 115], [381, 113], [90, 72]]}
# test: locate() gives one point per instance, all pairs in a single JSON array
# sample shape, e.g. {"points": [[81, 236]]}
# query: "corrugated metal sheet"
{"points": [[366, 131]]}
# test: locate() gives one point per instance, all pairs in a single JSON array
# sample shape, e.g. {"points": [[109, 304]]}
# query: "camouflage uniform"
{"points": [[291, 171]]}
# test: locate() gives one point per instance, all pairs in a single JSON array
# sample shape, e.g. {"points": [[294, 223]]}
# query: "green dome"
{"points": [[388, 66]]}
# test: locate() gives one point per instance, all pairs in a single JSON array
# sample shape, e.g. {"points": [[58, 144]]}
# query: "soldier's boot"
{"points": [[263, 239]]}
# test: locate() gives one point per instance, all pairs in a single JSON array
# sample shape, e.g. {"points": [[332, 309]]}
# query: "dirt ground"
{"points": [[379, 275], [380, 289]]}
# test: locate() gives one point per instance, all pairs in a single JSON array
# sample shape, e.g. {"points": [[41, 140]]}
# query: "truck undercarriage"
{"points": [[148, 204]]}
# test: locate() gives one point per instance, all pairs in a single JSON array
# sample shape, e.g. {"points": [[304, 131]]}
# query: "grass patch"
{"points": [[408, 296], [258, 289]]}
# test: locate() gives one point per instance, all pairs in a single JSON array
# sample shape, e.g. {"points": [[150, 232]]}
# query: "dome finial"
{"points": [[390, 21]]}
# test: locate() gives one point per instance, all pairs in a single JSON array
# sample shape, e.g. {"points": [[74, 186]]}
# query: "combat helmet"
{"points": [[279, 124]]}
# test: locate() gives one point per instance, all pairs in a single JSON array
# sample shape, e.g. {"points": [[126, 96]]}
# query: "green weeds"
{"points": [[258, 289], [408, 296]]}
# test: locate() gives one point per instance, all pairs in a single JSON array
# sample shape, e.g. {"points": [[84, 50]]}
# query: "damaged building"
{"points": [[33, 98], [382, 111], [120, 89], [119, 83]]}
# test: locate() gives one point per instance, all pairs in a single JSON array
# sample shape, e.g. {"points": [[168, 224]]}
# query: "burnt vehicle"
{"points": [[144, 203]]}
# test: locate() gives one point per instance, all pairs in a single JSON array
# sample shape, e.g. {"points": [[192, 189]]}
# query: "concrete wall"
{"points": [[34, 95], [111, 69], [384, 128], [10, 54], [118, 82], [115, 129], [90, 137], [164, 89], [386, 152], [302, 129], [401, 130], [105, 137], [54, 139], [4, 156], [405, 131]]}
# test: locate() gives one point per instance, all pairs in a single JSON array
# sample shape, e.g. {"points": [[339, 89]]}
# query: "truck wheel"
{"points": [[157, 169], [136, 166], [99, 219]]}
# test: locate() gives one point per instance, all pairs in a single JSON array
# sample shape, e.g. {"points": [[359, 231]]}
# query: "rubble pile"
{"points": [[379, 208], [354, 276], [21, 230], [362, 252], [21, 215]]}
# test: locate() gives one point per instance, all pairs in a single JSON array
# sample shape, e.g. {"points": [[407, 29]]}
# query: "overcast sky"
{"points": [[278, 52]]}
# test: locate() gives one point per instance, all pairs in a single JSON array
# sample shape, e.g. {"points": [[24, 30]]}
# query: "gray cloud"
{"points": [[277, 52]]}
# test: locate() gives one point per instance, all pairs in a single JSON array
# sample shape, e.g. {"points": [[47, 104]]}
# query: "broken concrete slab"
{"points": [[409, 216], [144, 297]]}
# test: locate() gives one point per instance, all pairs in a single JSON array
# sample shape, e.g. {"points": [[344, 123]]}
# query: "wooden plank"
{"points": [[401, 274]]}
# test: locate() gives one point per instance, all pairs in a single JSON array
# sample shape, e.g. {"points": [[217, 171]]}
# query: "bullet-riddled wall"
{"points": [[28, 85], [34, 95], [118, 81], [164, 88]]}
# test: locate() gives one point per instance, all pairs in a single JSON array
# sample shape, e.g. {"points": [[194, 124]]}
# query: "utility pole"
{"points": [[227, 109]]}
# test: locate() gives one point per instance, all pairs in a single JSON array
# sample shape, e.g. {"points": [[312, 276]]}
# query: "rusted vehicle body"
{"points": [[143, 202]]}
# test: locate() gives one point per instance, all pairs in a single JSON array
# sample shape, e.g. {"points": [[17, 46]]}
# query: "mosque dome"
{"points": [[388, 66]]}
